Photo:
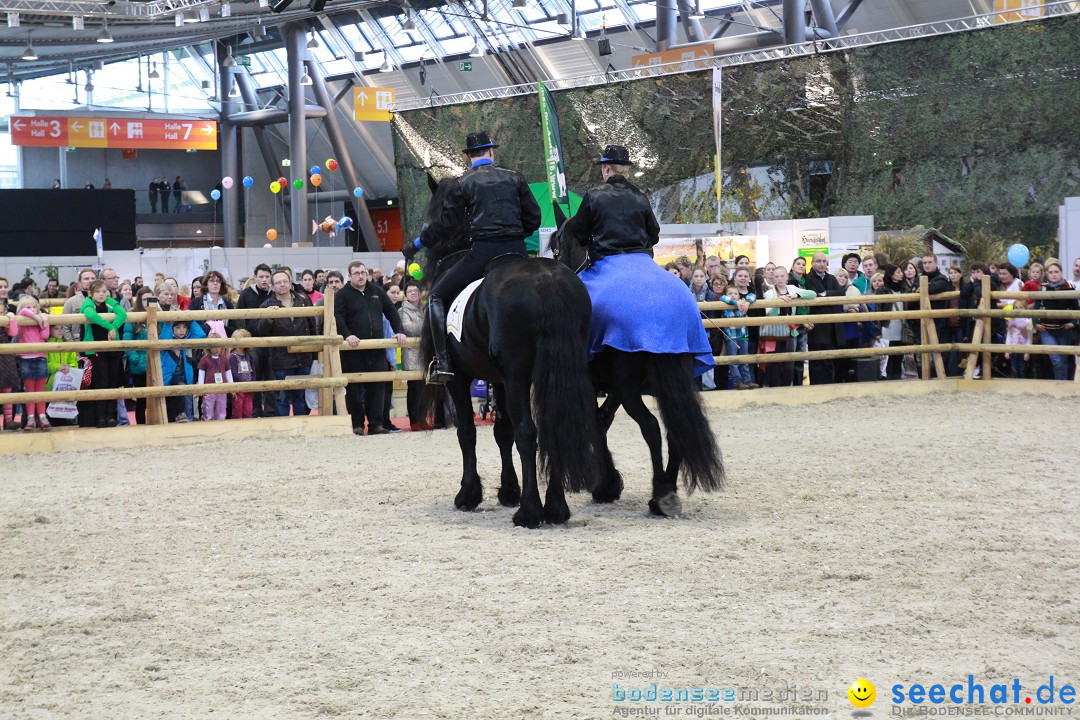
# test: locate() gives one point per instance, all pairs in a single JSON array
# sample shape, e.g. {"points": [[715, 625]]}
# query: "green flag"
{"points": [[553, 153]]}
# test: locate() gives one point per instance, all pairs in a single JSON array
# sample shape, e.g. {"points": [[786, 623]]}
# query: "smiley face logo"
{"points": [[862, 693]]}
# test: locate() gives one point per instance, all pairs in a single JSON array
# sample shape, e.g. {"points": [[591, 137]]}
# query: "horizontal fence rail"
{"points": [[329, 345]]}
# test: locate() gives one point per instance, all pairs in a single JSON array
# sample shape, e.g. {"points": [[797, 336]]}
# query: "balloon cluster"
{"points": [[416, 272]]}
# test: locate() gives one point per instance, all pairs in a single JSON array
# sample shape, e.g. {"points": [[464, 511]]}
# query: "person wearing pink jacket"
{"points": [[33, 368]]}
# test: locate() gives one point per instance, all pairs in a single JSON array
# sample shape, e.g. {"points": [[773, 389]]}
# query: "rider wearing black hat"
{"points": [[500, 211], [615, 218]]}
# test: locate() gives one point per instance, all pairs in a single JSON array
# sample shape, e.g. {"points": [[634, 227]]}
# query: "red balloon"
{"points": [[282, 181], [331, 165]]}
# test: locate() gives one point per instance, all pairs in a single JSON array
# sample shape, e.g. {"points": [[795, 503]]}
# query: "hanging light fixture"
{"points": [[519, 4], [476, 51], [234, 90], [29, 53], [104, 36], [313, 42], [89, 84], [154, 74], [409, 23], [386, 66], [305, 79], [229, 61]]}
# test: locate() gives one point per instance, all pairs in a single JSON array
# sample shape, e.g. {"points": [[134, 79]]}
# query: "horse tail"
{"points": [[688, 432], [568, 438]]}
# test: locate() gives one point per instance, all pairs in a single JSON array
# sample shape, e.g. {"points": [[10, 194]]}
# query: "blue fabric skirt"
{"points": [[637, 306]]}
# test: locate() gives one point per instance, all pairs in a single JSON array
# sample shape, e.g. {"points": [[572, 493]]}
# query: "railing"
{"points": [[928, 347], [331, 384]]}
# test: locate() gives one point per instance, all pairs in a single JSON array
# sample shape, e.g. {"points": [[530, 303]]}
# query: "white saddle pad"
{"points": [[456, 315]]}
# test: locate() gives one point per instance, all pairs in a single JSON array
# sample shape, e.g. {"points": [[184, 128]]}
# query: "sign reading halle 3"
{"points": [[106, 132]]}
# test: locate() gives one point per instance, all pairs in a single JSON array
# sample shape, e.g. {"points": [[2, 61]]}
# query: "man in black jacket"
{"points": [[153, 192], [936, 283], [500, 211], [614, 218], [359, 309], [263, 404], [823, 336]]}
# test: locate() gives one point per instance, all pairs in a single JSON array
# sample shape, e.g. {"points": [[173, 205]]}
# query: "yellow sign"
{"points": [[693, 57], [1015, 10], [372, 104]]}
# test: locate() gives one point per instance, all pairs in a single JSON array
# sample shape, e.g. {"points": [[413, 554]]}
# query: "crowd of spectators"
{"points": [[369, 305], [868, 281]]}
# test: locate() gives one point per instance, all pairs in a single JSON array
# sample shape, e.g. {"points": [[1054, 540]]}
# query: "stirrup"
{"points": [[435, 376]]}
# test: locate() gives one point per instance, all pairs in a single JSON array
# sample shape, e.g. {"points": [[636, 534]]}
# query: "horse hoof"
{"points": [[527, 520], [667, 506], [509, 496], [607, 494], [556, 515], [468, 500]]}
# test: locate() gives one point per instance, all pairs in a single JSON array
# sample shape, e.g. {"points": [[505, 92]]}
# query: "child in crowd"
{"points": [[738, 339], [176, 369], [33, 370], [59, 360], [106, 372], [243, 370], [214, 369], [1019, 333]]}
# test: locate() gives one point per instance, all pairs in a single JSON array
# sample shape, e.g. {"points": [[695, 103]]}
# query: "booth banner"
{"points": [[717, 102], [65, 381], [725, 247], [554, 161], [810, 242]]}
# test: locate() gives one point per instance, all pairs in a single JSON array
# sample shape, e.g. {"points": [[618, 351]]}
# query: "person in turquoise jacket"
{"points": [[177, 368]]}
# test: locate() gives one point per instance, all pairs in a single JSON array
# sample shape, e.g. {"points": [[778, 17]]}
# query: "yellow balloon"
{"points": [[271, 234], [316, 180], [275, 187]]}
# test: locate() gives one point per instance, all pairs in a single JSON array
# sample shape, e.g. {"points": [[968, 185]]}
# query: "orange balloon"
{"points": [[271, 234], [316, 180]]}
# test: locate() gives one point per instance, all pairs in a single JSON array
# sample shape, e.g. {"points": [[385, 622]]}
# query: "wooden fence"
{"points": [[329, 346]]}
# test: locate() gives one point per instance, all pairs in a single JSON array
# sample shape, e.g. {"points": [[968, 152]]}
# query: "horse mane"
{"points": [[447, 246], [562, 246]]}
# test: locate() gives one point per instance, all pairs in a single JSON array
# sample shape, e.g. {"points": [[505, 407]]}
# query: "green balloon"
{"points": [[298, 183]]}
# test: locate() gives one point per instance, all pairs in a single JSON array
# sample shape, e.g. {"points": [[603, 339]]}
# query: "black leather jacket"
{"points": [[615, 218], [496, 203]]}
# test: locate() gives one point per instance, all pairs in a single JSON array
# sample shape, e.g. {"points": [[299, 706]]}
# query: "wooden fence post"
{"points": [[924, 305], [155, 406], [326, 395], [334, 352], [987, 357], [930, 334]]}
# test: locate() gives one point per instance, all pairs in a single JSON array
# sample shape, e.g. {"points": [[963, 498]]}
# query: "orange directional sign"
{"points": [[110, 132], [371, 103]]}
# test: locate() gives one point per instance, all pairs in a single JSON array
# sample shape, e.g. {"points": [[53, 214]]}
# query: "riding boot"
{"points": [[439, 371]]}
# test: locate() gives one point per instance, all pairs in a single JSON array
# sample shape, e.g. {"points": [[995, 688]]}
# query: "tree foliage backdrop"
{"points": [[964, 132]]}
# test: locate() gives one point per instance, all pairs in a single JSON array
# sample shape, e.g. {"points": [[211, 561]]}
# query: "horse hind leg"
{"points": [[472, 492], [518, 406], [509, 490], [610, 487], [665, 499]]}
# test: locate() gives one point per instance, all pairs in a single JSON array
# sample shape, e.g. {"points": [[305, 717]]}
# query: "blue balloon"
{"points": [[248, 181], [216, 194], [345, 222], [358, 191], [1019, 255], [315, 170]]}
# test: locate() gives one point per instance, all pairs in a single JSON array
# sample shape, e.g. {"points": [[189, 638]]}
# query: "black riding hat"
{"points": [[478, 141], [615, 155]]}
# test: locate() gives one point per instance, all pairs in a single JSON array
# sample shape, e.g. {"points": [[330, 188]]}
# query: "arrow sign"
{"points": [[115, 127], [125, 133], [76, 126], [18, 124], [208, 130]]}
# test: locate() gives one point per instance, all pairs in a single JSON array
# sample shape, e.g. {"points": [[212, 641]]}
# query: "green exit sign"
{"points": [[243, 60], [465, 66]]}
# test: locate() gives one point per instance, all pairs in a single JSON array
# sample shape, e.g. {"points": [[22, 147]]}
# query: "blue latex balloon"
{"points": [[358, 191], [216, 194], [315, 170], [345, 222], [1019, 255], [248, 181]]}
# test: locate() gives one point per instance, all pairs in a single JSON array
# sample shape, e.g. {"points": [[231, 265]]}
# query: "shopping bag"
{"points": [[65, 381]]}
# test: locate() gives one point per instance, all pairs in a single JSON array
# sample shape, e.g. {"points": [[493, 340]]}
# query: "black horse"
{"points": [[626, 377], [526, 330]]}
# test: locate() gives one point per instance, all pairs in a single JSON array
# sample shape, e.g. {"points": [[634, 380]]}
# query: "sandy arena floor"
{"points": [[905, 540]]}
